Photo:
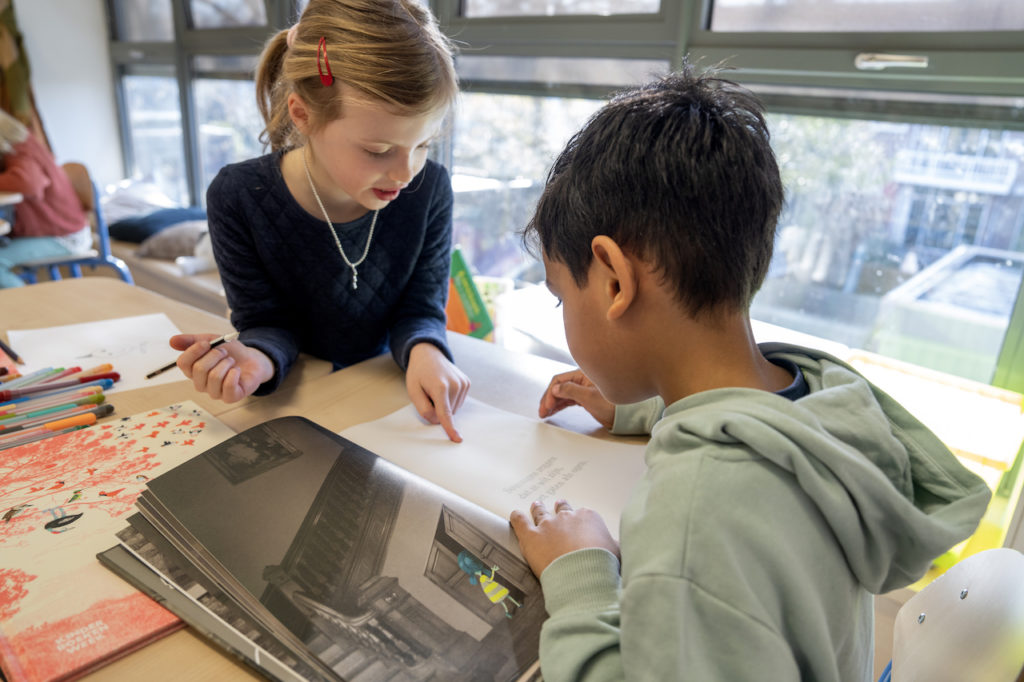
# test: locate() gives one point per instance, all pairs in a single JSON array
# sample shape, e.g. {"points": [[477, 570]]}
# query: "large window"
{"points": [[867, 15], [898, 125], [906, 239], [154, 123]]}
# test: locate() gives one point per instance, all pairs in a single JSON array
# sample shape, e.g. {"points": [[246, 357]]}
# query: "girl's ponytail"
{"points": [[272, 93]]}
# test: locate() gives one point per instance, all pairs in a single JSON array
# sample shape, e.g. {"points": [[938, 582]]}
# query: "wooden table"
{"points": [[336, 400]]}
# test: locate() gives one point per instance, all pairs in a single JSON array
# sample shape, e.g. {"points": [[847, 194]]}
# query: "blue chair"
{"points": [[88, 194]]}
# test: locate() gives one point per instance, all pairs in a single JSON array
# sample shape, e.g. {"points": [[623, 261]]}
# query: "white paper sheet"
{"points": [[507, 461], [135, 346]]}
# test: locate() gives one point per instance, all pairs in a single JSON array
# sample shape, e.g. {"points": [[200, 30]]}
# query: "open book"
{"points": [[311, 557]]}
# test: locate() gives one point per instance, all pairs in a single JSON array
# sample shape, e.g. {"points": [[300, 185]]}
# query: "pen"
{"points": [[80, 417], [54, 397], [29, 378], [6, 395], [47, 413], [62, 374], [31, 438], [84, 419], [213, 344], [10, 352]]}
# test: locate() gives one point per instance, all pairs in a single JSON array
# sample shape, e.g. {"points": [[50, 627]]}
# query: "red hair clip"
{"points": [[325, 78]]}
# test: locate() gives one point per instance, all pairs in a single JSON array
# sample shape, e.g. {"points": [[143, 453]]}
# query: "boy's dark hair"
{"points": [[680, 173]]}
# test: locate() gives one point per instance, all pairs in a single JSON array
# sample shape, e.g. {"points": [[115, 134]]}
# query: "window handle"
{"points": [[875, 61]]}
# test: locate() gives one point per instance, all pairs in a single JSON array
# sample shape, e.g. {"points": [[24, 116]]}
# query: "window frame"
{"points": [[963, 66]]}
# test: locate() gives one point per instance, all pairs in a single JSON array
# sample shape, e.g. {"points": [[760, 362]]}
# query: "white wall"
{"points": [[69, 57]]}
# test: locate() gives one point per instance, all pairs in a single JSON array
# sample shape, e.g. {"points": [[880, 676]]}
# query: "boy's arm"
{"points": [[637, 418], [657, 628], [581, 639]]}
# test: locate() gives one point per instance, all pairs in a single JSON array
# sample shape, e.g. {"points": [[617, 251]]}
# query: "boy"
{"points": [[782, 490]]}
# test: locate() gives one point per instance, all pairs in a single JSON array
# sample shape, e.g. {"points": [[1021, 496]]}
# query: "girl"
{"points": [[337, 243], [49, 222]]}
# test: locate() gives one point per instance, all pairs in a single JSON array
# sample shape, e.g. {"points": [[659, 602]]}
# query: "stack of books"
{"points": [[311, 558]]}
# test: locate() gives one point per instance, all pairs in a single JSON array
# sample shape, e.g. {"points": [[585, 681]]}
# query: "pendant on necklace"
{"points": [[355, 279]]}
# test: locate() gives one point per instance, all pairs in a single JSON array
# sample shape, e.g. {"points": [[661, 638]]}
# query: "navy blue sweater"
{"points": [[290, 291]]}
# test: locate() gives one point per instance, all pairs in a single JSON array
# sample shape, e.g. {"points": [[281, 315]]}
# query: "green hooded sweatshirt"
{"points": [[762, 527]]}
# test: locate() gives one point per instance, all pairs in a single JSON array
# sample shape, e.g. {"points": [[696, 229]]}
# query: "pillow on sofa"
{"points": [[176, 240], [140, 228]]}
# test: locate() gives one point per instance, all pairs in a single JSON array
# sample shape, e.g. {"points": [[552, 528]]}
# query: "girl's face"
{"points": [[370, 154]]}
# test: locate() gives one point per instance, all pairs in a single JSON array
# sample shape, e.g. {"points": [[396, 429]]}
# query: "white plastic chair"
{"points": [[965, 626]]}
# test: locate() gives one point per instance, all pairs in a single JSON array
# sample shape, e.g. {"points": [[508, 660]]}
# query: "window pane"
{"points": [[143, 20], [154, 120], [867, 15], [301, 5], [509, 8], [503, 146], [227, 13], [574, 70], [229, 124], [899, 238], [242, 65]]}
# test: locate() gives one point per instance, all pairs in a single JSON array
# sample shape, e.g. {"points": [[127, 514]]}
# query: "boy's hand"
{"points": [[544, 536], [436, 387], [574, 388], [229, 372]]}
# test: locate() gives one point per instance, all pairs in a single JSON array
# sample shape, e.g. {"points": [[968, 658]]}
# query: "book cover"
{"points": [[166, 576], [62, 499], [467, 313], [363, 570]]}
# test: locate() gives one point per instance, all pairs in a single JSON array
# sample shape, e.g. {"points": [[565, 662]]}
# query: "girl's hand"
{"points": [[544, 536], [574, 388], [436, 387], [229, 372]]}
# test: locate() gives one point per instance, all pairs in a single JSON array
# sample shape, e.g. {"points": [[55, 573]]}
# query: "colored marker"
{"points": [[10, 353], [213, 344], [9, 377], [15, 442], [85, 419], [30, 377], [35, 401], [98, 369], [17, 417], [60, 375], [7, 394], [62, 418]]}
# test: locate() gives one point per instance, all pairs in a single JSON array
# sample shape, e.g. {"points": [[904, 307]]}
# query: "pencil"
{"points": [[213, 344], [10, 352]]}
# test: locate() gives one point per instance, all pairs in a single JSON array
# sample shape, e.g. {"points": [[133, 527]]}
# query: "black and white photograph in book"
{"points": [[381, 575]]}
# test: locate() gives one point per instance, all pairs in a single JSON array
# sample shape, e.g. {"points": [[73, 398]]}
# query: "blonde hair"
{"points": [[392, 51]]}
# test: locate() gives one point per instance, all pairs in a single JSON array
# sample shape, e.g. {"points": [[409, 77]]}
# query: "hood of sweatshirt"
{"points": [[894, 496]]}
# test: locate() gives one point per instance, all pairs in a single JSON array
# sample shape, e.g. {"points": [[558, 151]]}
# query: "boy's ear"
{"points": [[618, 275], [299, 113]]}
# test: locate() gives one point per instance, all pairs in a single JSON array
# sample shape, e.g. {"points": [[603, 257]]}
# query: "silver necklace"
{"points": [[369, 237]]}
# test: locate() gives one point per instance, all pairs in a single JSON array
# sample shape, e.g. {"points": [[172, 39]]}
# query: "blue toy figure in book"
{"points": [[495, 591]]}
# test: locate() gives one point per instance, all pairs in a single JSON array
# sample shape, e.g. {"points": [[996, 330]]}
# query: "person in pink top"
{"points": [[49, 221]]}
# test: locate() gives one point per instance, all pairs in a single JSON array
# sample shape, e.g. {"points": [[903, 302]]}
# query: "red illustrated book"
{"points": [[62, 499]]}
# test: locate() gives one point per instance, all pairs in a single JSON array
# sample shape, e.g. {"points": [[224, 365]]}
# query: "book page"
{"points": [[135, 346], [506, 461]]}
